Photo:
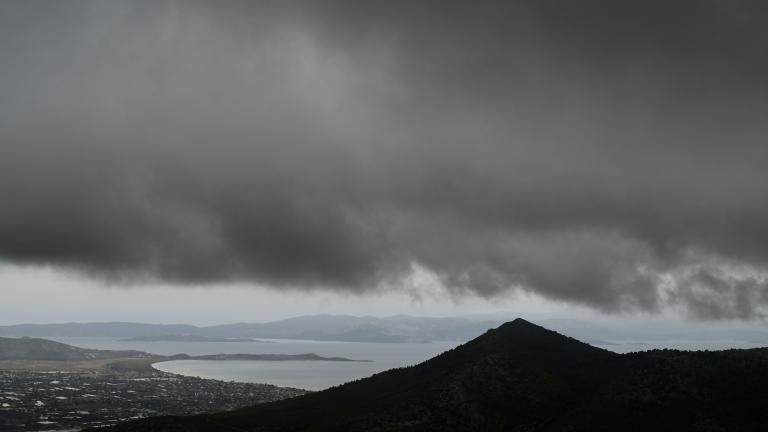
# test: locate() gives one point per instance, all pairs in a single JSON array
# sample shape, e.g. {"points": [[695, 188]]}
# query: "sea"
{"points": [[319, 375], [309, 375]]}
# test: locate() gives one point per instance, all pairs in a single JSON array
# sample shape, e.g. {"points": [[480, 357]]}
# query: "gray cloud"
{"points": [[588, 151], [709, 293]]}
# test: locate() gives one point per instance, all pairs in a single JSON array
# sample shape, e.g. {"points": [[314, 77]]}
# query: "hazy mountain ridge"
{"points": [[106, 329], [405, 329], [522, 377], [401, 329]]}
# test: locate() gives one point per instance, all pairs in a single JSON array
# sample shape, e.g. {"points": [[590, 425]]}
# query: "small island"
{"points": [[263, 357], [189, 338]]}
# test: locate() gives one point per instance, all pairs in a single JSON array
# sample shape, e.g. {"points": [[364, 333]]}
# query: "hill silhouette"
{"points": [[522, 377], [26, 348]]}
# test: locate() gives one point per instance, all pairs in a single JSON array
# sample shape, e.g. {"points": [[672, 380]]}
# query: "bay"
{"points": [[310, 375]]}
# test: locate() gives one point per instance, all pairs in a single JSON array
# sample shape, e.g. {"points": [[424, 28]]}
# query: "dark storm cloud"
{"points": [[713, 294], [605, 153]]}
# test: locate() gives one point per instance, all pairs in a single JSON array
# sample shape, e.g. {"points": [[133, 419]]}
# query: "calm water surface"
{"points": [[312, 375]]}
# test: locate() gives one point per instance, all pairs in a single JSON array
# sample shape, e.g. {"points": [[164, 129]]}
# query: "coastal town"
{"points": [[71, 400]]}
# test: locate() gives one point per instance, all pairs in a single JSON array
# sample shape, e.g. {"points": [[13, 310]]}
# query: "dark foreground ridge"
{"points": [[522, 377]]}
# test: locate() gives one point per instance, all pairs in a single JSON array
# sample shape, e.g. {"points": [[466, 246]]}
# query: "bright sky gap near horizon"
{"points": [[213, 162]]}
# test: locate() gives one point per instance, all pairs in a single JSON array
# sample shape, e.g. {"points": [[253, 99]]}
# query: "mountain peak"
{"points": [[519, 322], [519, 327], [523, 337], [507, 368]]}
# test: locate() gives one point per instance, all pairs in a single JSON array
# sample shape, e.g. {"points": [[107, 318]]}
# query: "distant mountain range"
{"points": [[401, 328], [522, 377]]}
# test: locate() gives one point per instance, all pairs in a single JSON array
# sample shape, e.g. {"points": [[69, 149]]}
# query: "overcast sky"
{"points": [[363, 156]]}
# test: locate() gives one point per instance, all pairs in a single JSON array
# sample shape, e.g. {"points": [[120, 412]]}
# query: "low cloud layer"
{"points": [[609, 154]]}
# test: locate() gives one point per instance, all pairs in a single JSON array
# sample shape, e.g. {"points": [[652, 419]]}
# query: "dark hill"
{"points": [[27, 348], [522, 377]]}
